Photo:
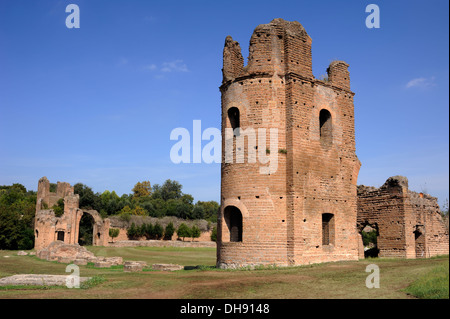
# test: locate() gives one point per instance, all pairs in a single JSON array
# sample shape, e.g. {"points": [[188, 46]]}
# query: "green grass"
{"points": [[92, 282], [200, 279], [186, 256], [433, 285]]}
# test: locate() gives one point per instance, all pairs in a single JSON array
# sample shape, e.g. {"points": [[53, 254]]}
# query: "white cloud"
{"points": [[421, 83], [174, 66], [166, 67], [150, 67]]}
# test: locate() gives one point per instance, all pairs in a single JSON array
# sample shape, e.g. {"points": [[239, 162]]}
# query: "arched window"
{"points": [[326, 128], [233, 219], [327, 229], [234, 117]]}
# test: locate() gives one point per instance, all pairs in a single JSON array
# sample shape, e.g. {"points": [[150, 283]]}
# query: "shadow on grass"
{"points": [[200, 267]]}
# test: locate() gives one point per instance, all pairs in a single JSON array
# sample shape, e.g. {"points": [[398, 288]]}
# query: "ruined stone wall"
{"points": [[384, 209], [317, 166], [47, 198], [430, 224], [49, 228], [409, 224]]}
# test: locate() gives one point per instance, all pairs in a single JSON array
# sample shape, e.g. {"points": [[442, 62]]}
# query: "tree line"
{"points": [[18, 206], [156, 231], [146, 200], [17, 210]]}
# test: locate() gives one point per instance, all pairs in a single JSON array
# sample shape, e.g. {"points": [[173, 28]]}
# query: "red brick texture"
{"points": [[409, 224], [49, 228], [282, 212]]}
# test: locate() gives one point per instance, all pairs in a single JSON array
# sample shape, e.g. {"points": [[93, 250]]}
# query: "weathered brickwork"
{"points": [[49, 228], [408, 224], [278, 218]]}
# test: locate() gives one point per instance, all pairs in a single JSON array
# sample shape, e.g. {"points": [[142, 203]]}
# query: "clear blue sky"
{"points": [[97, 104]]}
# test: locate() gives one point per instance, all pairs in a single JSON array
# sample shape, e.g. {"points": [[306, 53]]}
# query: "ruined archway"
{"points": [[419, 241], [370, 233], [86, 230], [91, 229]]}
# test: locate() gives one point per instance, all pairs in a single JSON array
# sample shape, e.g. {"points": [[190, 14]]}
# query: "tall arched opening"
{"points": [[86, 230], [326, 128], [233, 220]]}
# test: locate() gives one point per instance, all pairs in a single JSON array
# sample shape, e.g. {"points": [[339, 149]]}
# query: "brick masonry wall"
{"points": [[401, 217], [384, 210], [48, 226], [429, 221], [282, 211]]}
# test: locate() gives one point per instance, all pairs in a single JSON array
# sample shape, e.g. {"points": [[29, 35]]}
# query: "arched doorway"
{"points": [[233, 220], [370, 233], [86, 230], [419, 238]]}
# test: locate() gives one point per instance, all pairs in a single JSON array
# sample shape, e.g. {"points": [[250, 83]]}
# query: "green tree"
{"points": [[369, 237], [171, 207], [110, 202], [139, 211], [158, 207], [171, 190], [195, 232], [133, 232], [147, 205], [214, 234], [156, 191], [125, 213], [59, 207], [183, 231], [19, 187], [53, 187], [198, 212], [148, 231], [17, 210], [141, 230], [169, 231], [10, 231], [88, 199], [113, 233], [158, 231], [210, 210], [186, 206], [86, 230]]}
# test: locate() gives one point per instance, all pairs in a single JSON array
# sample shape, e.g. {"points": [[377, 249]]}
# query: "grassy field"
{"points": [[399, 278]]}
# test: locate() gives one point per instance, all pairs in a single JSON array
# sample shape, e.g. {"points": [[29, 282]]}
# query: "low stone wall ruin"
{"points": [[408, 224]]}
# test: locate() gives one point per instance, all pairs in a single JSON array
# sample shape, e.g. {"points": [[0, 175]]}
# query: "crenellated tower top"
{"points": [[280, 48]]}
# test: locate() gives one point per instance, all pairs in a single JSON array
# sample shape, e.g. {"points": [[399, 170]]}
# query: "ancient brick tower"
{"points": [[304, 211]]}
